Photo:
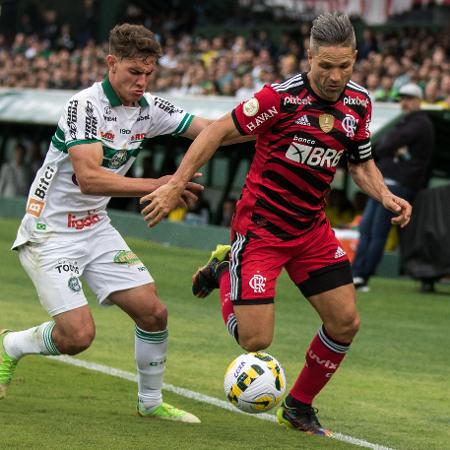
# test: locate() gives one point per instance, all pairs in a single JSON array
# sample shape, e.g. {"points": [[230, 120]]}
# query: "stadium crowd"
{"points": [[56, 57]]}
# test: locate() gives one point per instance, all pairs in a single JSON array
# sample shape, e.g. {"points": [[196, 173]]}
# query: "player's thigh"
{"points": [[318, 263], [54, 268], [255, 266], [114, 267]]}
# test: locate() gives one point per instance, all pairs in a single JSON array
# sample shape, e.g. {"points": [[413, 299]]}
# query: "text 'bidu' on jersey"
{"points": [[55, 202], [300, 140]]}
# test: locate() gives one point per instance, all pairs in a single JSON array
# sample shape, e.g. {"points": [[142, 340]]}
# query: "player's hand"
{"points": [[400, 207], [167, 197]]}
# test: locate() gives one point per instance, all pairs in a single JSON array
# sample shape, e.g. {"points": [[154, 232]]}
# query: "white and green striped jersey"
{"points": [[55, 203]]}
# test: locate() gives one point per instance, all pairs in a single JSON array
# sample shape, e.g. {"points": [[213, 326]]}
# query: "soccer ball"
{"points": [[254, 382]]}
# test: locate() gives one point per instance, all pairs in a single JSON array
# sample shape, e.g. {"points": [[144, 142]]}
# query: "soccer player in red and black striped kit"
{"points": [[303, 126]]}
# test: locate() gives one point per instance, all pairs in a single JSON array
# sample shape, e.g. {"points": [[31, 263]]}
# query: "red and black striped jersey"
{"points": [[300, 140]]}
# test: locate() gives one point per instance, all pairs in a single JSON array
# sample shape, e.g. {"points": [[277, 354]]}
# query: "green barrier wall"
{"points": [[175, 234]]}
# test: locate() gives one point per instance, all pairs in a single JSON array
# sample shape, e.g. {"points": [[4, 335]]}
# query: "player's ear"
{"points": [[111, 61]]}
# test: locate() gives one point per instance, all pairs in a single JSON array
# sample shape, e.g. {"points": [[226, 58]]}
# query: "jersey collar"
{"points": [[113, 98], [320, 99]]}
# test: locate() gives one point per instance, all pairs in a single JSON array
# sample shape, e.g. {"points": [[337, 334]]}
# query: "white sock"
{"points": [[34, 341], [151, 351]]}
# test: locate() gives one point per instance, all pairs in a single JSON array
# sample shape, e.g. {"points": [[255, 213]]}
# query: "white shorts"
{"points": [[102, 257]]}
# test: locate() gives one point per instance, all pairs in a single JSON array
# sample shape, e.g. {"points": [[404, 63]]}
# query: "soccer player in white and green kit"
{"points": [[66, 232]]}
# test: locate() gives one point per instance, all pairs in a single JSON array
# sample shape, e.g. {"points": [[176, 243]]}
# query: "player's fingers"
{"points": [[145, 199], [194, 187]]}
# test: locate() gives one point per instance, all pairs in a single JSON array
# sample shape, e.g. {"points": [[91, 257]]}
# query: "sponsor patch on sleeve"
{"points": [[251, 107]]}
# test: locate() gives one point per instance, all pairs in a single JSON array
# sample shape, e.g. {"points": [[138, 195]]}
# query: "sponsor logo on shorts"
{"points": [[82, 222], [258, 283], [66, 265], [74, 284], [126, 257], [261, 118], [339, 253]]}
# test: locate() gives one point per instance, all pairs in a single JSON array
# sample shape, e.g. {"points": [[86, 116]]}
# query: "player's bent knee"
{"points": [[255, 343], [76, 342], [343, 329], [154, 318]]}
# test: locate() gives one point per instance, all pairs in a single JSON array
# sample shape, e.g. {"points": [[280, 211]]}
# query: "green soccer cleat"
{"points": [[303, 419], [206, 279], [7, 366], [167, 412]]}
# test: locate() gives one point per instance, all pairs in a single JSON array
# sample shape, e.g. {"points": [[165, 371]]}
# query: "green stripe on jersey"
{"points": [[81, 142], [184, 124]]}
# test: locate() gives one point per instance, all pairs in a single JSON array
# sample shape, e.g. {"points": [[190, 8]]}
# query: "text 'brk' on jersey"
{"points": [[300, 140]]}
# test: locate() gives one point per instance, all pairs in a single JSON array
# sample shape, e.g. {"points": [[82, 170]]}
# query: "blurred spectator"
{"points": [[403, 155], [339, 209], [14, 174], [199, 213], [55, 56], [228, 208], [247, 89], [35, 161]]}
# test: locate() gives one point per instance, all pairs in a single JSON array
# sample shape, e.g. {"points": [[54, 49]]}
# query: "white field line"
{"points": [[200, 397]]}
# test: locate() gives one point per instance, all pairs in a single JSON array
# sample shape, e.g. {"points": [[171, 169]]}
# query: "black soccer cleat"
{"points": [[206, 279], [303, 419]]}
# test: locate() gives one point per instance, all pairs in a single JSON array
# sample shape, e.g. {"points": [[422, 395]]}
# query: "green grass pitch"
{"points": [[393, 389]]}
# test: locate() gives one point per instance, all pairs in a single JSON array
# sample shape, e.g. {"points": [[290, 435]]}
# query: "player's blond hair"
{"points": [[133, 41], [332, 29]]}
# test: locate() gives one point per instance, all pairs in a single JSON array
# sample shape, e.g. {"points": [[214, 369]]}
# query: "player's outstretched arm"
{"points": [[93, 179], [165, 198], [367, 176]]}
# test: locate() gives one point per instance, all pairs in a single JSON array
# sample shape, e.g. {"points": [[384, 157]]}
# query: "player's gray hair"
{"points": [[331, 29]]}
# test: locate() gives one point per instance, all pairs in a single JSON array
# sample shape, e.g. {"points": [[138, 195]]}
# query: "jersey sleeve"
{"points": [[81, 121], [167, 118], [257, 115], [361, 149]]}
